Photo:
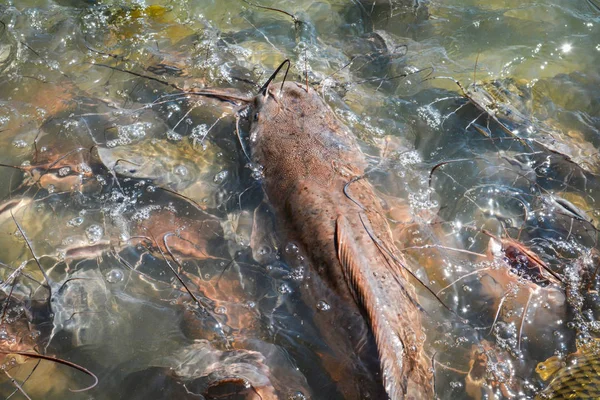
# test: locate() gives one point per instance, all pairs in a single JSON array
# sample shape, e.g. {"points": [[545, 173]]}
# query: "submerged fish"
{"points": [[313, 173], [313, 176], [577, 378]]}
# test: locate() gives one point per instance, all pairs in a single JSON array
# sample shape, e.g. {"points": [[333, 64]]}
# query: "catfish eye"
{"points": [[256, 116]]}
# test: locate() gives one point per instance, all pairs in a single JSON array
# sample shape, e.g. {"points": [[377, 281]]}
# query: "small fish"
{"points": [[577, 377], [489, 371]]}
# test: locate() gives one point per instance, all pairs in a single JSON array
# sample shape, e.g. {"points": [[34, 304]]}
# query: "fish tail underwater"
{"points": [[350, 199]]}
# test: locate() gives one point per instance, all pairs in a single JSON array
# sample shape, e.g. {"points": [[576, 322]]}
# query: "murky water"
{"points": [[135, 239]]}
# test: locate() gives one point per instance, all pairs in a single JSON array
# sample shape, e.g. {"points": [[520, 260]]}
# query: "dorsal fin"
{"points": [[387, 305]]}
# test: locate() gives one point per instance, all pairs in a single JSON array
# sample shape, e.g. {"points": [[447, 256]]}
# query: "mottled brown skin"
{"points": [[308, 157]]}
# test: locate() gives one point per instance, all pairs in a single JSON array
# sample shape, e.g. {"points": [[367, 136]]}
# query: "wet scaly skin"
{"points": [[309, 157]]}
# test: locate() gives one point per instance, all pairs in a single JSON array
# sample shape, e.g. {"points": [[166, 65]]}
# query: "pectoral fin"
{"points": [[349, 258], [366, 284]]}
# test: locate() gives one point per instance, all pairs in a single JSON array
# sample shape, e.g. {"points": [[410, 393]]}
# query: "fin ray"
{"points": [[387, 304]]}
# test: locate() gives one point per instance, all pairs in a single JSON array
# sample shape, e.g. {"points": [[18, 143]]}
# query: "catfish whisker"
{"points": [[88, 312], [26, 379], [385, 250], [252, 186], [158, 101], [461, 278], [292, 16], [453, 113], [116, 57], [208, 130], [384, 79], [347, 185], [451, 79], [6, 302], [263, 35], [21, 273], [203, 306], [58, 361], [128, 265], [429, 246], [13, 276], [523, 317], [449, 368], [16, 384], [378, 54], [185, 240], [498, 311], [188, 112], [444, 99], [442, 163], [193, 202], [179, 278], [472, 122], [238, 134], [162, 82], [37, 261]]}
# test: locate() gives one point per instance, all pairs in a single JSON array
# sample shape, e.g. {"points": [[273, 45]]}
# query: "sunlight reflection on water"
{"points": [[481, 127]]}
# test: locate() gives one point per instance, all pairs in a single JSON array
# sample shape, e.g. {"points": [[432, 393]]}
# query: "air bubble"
{"points": [[297, 396], [323, 306], [94, 233], [75, 221], [297, 273], [264, 250], [174, 136], [114, 276], [284, 289], [291, 248], [181, 170], [221, 176], [221, 310], [19, 144], [64, 171]]}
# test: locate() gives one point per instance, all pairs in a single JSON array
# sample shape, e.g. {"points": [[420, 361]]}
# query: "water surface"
{"points": [[135, 237]]}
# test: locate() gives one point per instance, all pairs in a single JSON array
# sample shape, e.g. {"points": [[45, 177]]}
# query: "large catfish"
{"points": [[313, 177]]}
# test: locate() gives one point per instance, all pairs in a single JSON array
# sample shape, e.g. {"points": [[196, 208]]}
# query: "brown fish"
{"points": [[313, 170], [313, 174]]}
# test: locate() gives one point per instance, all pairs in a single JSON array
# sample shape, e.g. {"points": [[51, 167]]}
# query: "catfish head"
{"points": [[294, 134]]}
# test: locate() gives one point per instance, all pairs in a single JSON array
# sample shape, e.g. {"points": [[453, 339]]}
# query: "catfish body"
{"points": [[313, 171]]}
